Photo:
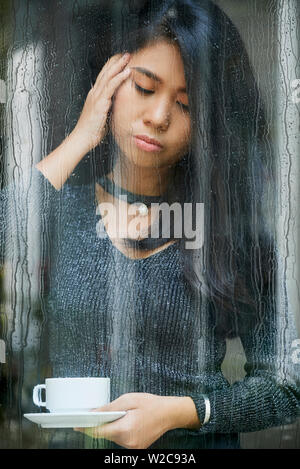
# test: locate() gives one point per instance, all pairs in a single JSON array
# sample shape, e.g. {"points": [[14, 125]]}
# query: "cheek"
{"points": [[184, 133]]}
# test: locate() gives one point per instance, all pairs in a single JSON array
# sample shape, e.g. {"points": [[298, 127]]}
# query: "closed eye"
{"points": [[144, 91], [184, 107]]}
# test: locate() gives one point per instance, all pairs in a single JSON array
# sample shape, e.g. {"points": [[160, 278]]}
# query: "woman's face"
{"points": [[153, 104]]}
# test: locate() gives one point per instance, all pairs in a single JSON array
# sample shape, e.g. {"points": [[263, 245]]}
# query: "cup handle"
{"points": [[36, 396]]}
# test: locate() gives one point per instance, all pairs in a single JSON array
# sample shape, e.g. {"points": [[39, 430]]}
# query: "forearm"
{"points": [[252, 404], [61, 162]]}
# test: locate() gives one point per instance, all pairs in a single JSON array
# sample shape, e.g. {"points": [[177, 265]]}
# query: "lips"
{"points": [[147, 143]]}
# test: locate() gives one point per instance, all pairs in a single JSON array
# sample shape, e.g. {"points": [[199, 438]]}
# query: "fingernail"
{"points": [[126, 56]]}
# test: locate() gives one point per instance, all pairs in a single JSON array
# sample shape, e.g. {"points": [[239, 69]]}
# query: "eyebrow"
{"points": [[154, 77]]}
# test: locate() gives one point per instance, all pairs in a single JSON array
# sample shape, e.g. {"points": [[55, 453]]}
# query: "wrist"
{"points": [[182, 413], [86, 138], [81, 140]]}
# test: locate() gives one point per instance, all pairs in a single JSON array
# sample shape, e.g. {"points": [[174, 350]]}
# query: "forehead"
{"points": [[164, 60]]}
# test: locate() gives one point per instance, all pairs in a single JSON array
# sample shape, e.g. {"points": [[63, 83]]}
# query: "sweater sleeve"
{"points": [[25, 204], [269, 395]]}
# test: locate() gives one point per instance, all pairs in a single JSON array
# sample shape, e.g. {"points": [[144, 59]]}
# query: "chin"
{"points": [[147, 161]]}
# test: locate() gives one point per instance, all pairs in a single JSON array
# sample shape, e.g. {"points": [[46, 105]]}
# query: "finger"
{"points": [[109, 63], [114, 406], [105, 92], [109, 431], [116, 82], [109, 74], [123, 402], [112, 69], [107, 66]]}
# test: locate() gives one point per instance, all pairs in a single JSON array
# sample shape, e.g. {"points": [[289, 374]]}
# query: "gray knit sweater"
{"points": [[138, 322]]}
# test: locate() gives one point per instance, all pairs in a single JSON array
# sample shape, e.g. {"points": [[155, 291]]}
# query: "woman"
{"points": [[150, 313]]}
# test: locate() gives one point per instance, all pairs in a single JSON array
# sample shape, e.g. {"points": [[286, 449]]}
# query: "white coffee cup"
{"points": [[73, 395]]}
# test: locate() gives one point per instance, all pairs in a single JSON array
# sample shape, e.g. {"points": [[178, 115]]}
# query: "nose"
{"points": [[158, 115]]}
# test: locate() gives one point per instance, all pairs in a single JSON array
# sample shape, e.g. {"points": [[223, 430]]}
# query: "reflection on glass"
{"points": [[147, 222]]}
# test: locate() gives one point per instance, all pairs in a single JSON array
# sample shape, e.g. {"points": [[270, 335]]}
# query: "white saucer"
{"points": [[84, 419]]}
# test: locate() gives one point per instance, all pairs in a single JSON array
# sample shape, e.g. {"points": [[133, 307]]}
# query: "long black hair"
{"points": [[229, 167]]}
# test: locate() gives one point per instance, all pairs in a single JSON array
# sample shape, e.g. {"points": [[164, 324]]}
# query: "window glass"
{"points": [[149, 231]]}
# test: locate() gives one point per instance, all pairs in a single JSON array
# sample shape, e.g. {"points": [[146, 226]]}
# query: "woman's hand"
{"points": [[92, 122], [148, 417]]}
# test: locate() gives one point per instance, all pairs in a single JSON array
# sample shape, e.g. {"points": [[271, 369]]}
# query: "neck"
{"points": [[145, 181]]}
